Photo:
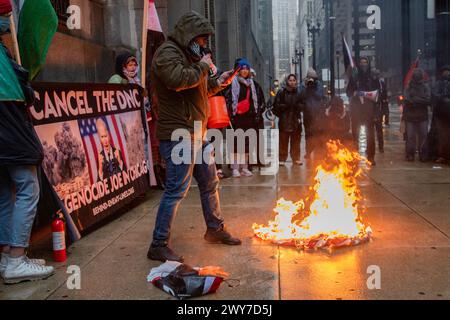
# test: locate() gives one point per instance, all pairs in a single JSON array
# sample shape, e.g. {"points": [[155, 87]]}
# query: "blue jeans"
{"points": [[178, 182], [17, 209], [416, 132]]}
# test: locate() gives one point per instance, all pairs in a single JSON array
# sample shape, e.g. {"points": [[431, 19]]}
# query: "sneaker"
{"points": [[236, 174], [441, 161], [299, 163], [221, 236], [5, 258], [246, 173], [282, 163], [22, 269], [163, 254]]}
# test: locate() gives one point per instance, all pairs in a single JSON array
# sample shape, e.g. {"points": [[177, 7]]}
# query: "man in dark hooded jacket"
{"points": [[313, 103], [415, 113], [363, 110], [180, 75]]}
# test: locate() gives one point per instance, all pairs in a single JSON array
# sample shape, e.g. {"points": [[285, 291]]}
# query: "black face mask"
{"points": [[196, 50]]}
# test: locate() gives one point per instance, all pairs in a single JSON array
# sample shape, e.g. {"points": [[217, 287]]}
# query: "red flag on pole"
{"points": [[409, 75]]}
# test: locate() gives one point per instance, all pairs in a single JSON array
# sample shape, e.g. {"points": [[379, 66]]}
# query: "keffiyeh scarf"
{"points": [[236, 89]]}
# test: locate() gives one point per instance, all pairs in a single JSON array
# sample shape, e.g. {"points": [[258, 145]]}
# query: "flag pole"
{"points": [[144, 44], [12, 25]]}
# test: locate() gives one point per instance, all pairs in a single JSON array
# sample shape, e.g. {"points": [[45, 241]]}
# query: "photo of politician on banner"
{"points": [[94, 140]]}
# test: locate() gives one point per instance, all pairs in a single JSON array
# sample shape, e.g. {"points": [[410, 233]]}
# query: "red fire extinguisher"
{"points": [[59, 238]]}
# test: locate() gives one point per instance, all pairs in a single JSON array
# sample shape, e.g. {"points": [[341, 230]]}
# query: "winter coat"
{"points": [[19, 144], [418, 99], [287, 108], [181, 84], [362, 82], [441, 97], [313, 106], [251, 119]]}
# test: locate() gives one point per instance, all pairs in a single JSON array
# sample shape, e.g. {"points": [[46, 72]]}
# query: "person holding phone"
{"points": [[180, 74]]}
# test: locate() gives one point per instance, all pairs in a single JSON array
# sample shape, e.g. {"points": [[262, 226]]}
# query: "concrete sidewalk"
{"points": [[408, 209]]}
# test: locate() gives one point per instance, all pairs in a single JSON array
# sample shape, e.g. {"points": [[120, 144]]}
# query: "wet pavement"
{"points": [[408, 208]]}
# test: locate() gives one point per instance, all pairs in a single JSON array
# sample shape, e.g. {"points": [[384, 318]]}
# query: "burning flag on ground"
{"points": [[333, 216]]}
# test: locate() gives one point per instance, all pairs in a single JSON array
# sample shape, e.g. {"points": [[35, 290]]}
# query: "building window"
{"points": [[61, 9]]}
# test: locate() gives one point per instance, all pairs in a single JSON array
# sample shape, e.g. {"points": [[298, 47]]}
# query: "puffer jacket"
{"points": [[287, 108], [182, 85], [313, 104]]}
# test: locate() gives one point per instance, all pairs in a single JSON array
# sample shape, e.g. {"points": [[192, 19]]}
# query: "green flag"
{"points": [[10, 89], [38, 23]]}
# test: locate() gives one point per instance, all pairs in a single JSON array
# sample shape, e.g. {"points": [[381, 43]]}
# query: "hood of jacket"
{"points": [[190, 26], [121, 60]]}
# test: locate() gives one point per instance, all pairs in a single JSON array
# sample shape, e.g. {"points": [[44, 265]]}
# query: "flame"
{"points": [[333, 218]]}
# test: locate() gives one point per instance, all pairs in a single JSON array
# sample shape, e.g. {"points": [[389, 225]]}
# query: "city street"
{"points": [[407, 208]]}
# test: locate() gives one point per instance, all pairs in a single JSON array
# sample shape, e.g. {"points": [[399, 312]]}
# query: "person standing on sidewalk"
{"points": [[313, 102], [363, 110], [417, 102], [244, 102], [287, 108], [442, 115], [380, 108], [21, 154], [180, 74]]}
